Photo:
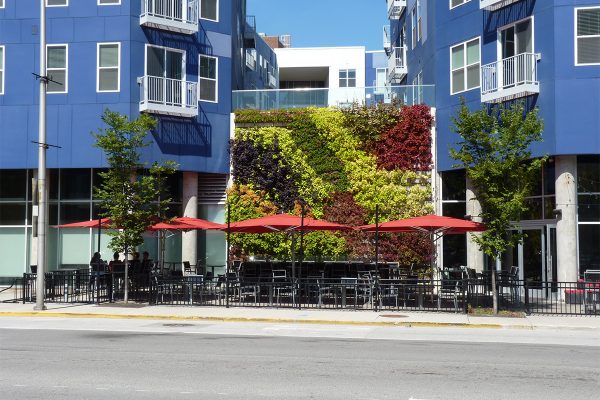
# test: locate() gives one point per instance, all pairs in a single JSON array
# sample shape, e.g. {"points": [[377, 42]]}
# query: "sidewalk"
{"points": [[308, 316]]}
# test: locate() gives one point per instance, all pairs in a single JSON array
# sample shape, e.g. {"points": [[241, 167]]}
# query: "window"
{"points": [[109, 61], [465, 63], [1, 69], [419, 21], [57, 3], [517, 39], [209, 9], [587, 36], [108, 2], [208, 78], [57, 68], [1, 3], [413, 19], [418, 88], [456, 3], [347, 78], [380, 77]]}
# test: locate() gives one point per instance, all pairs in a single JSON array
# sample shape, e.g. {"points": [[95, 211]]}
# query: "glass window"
{"points": [[413, 20], [74, 212], [108, 2], [1, 69], [347, 78], [454, 185], [12, 214], [57, 68], [1, 3], [75, 184], [456, 3], [587, 50], [109, 60], [465, 63], [13, 184], [589, 208], [589, 251], [209, 9], [588, 174], [208, 78], [57, 3]]}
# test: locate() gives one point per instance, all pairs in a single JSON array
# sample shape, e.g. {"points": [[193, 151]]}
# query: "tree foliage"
{"points": [[495, 151], [133, 195]]}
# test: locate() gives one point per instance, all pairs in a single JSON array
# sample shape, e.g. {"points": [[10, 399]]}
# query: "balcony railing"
{"points": [[272, 80], [387, 42], [251, 59], [168, 96], [170, 15], [493, 5], [333, 97], [397, 68], [395, 8], [510, 78]]}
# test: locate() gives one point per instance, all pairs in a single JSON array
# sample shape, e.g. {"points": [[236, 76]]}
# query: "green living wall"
{"points": [[340, 163]]}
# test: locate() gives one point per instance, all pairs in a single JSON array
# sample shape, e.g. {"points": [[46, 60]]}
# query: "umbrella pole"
{"points": [[377, 238], [99, 232], [228, 257], [301, 245]]}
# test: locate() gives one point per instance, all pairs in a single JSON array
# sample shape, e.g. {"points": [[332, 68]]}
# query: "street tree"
{"points": [[133, 194], [494, 149]]}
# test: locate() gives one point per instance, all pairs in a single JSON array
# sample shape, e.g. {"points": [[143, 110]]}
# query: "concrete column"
{"points": [[474, 255], [566, 227], [189, 240]]}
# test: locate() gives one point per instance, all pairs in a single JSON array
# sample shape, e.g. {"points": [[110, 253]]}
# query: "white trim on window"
{"points": [[117, 67], [58, 5], [183, 59], [458, 5], [576, 37], [465, 66], [114, 3], [514, 24], [215, 79], [209, 19], [1, 3], [413, 27], [2, 69], [65, 68]]}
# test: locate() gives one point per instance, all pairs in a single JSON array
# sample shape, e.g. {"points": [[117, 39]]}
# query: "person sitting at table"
{"points": [[96, 267], [115, 262]]}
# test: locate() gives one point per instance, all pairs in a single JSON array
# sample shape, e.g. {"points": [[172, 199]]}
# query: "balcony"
{"points": [[387, 42], [510, 78], [395, 8], [331, 97], [170, 15], [397, 68], [493, 5], [168, 96], [251, 59], [271, 79]]}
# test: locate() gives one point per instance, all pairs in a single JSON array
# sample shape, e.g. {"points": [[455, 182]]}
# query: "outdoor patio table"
{"points": [[348, 283]]}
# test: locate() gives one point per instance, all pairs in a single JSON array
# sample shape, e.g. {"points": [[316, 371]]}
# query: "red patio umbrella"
{"points": [[201, 224], [434, 225], [284, 223], [102, 223]]}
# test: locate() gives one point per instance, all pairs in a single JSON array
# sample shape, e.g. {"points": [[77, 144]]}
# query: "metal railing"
{"points": [[272, 81], [509, 73], [387, 41], [358, 293], [172, 11], [251, 59], [397, 67], [395, 8], [174, 93]]}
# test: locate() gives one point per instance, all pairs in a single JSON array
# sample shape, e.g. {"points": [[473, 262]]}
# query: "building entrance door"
{"points": [[537, 260]]}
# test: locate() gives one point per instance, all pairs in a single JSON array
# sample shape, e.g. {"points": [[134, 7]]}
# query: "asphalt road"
{"points": [[117, 359]]}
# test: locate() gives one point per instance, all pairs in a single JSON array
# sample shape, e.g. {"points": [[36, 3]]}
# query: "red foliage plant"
{"points": [[407, 146]]}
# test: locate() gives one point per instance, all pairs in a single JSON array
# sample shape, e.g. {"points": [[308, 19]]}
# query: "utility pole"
{"points": [[41, 184]]}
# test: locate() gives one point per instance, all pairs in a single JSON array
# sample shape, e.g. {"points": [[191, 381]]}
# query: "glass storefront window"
{"points": [[13, 248], [534, 209], [13, 184], [75, 184], [588, 174], [12, 214], [454, 185], [589, 250], [589, 208], [74, 212]]}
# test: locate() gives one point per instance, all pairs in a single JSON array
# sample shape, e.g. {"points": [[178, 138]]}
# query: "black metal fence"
{"points": [[362, 293]]}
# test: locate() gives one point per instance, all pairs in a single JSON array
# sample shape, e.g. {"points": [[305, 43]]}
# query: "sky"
{"points": [[323, 23]]}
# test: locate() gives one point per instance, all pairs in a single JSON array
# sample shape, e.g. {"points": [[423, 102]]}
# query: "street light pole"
{"points": [[41, 185]]}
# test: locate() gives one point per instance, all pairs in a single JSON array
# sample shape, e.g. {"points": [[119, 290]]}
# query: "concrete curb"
{"points": [[407, 324]]}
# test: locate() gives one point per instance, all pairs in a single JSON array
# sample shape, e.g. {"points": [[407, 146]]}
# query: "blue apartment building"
{"points": [[177, 60], [545, 53]]}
